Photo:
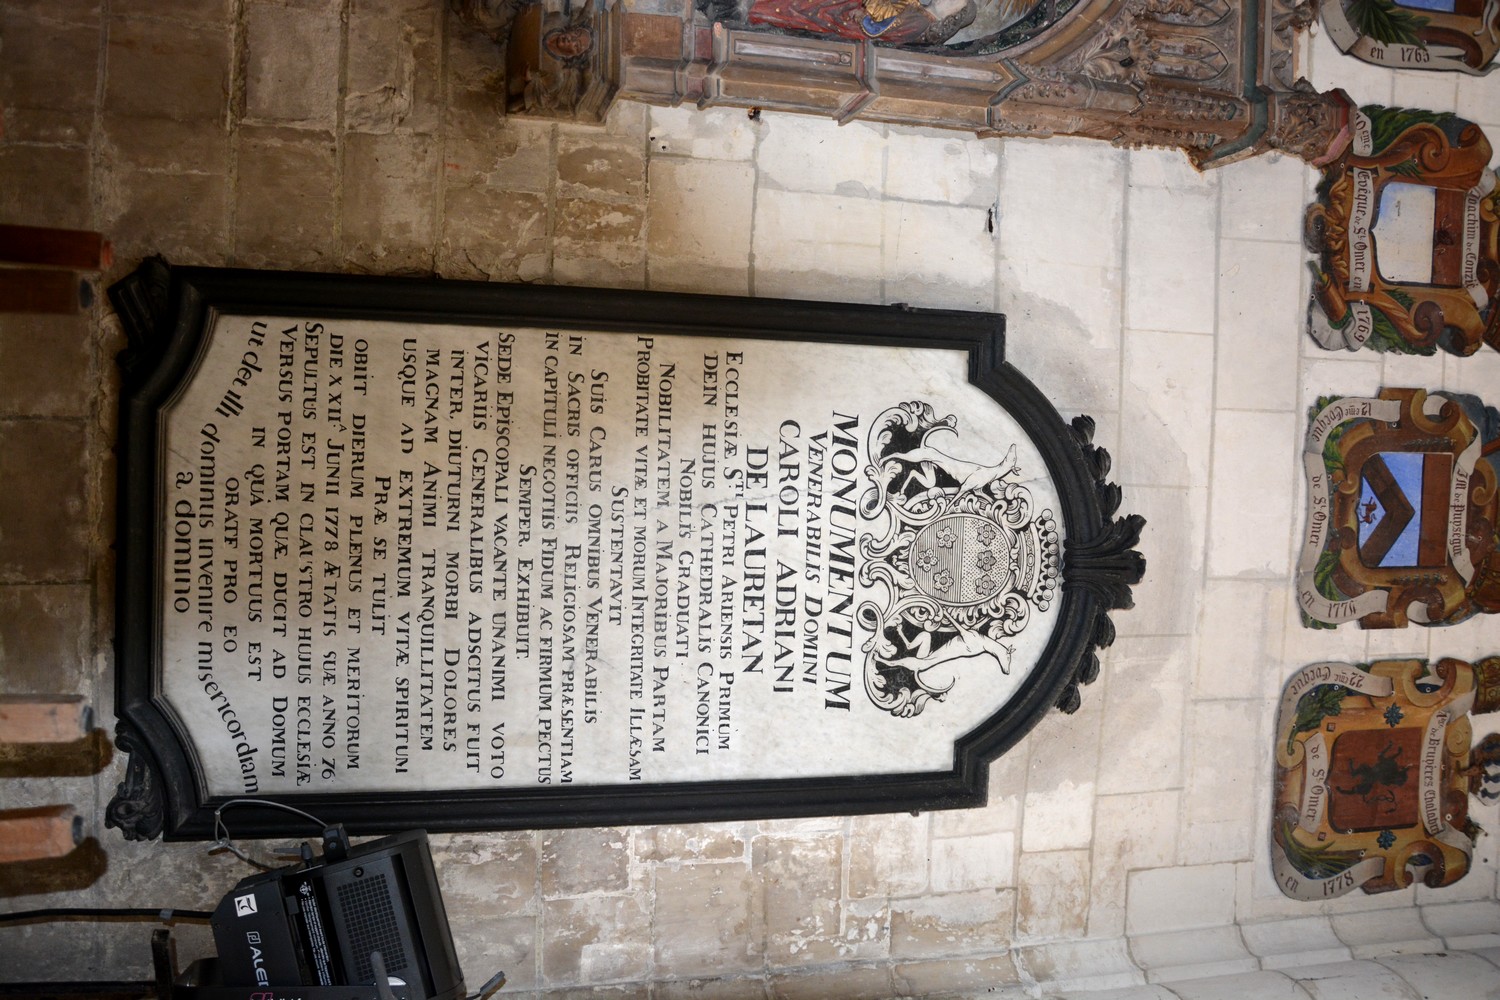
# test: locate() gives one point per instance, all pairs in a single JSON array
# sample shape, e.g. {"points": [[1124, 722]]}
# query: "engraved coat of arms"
{"points": [[964, 556]]}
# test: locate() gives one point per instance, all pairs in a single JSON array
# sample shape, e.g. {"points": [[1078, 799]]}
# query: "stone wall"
{"points": [[1123, 845]]}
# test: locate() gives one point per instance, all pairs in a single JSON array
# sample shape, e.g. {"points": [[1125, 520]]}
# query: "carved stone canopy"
{"points": [[1216, 78]]}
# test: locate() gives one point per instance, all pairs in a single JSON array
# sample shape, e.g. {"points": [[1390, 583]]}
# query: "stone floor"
{"points": [[1123, 847]]}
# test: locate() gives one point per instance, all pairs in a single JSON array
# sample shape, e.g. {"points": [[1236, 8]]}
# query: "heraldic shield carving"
{"points": [[964, 553], [1407, 232], [1402, 509], [1374, 768]]}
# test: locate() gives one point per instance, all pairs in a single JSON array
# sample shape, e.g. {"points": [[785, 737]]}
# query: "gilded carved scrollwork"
{"points": [[1134, 72], [1451, 304]]}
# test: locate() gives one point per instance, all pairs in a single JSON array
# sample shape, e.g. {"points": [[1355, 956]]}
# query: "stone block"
{"points": [[1064, 754], [498, 942], [602, 230], [48, 65], [1196, 954], [701, 842], [699, 224], [1256, 494], [1474, 924], [1168, 385], [745, 988], [623, 991], [472, 218], [1263, 198], [45, 634], [1260, 289], [1169, 170], [1001, 812], [44, 510], [1166, 601], [1060, 817], [801, 826], [390, 201], [1476, 101], [1151, 992], [286, 198], [45, 186], [292, 65], [392, 79], [624, 120], [1293, 942], [1379, 933], [1445, 974], [943, 167], [185, 10], [987, 977], [1041, 217], [573, 862], [167, 69], [474, 81], [516, 157], [595, 939], [1170, 283], [166, 145], [810, 242], [184, 217], [1064, 966], [496, 873], [1422, 89], [887, 855], [848, 982], [938, 256], [707, 921], [1131, 832], [1053, 899], [1260, 985], [1177, 899], [1491, 955], [710, 134], [1063, 327], [1143, 712], [800, 880], [62, 11], [1327, 67], [1243, 623], [46, 365], [795, 153], [606, 270], [609, 170], [46, 126], [953, 924], [1353, 981], [983, 861], [1225, 773]]}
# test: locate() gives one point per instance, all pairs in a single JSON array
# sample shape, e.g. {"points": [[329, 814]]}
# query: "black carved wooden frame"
{"points": [[167, 313]]}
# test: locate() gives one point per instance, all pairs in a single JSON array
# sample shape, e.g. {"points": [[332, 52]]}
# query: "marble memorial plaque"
{"points": [[475, 556]]}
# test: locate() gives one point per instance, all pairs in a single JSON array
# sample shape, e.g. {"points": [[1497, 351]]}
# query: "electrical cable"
{"points": [[495, 982], [222, 839], [165, 915]]}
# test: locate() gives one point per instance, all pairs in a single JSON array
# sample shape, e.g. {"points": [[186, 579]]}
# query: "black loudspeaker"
{"points": [[322, 930]]}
